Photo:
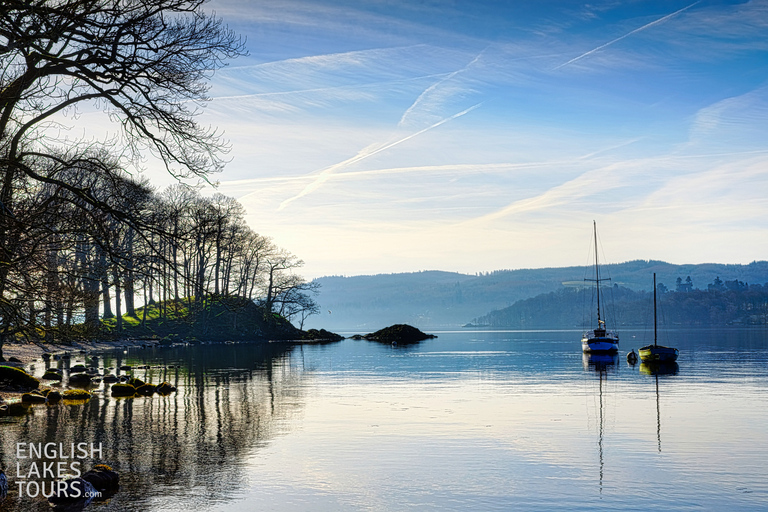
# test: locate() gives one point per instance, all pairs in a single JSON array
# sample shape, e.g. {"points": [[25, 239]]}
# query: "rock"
{"points": [[53, 397], [78, 368], [14, 409], [121, 389], [32, 398], [52, 375], [165, 388], [146, 390], [3, 485], [17, 379], [75, 494], [103, 478], [125, 368], [400, 334], [136, 382], [80, 379], [76, 394], [109, 379], [321, 335]]}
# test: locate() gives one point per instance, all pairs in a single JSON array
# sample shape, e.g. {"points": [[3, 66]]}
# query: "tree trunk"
{"points": [[118, 302], [102, 268]]}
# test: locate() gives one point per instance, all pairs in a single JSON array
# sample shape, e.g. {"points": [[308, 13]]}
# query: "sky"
{"points": [[380, 136]]}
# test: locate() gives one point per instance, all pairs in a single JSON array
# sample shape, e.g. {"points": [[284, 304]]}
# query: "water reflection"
{"points": [[656, 369], [602, 365], [600, 362], [188, 445]]}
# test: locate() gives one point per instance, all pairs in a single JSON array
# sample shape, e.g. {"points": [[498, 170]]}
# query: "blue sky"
{"points": [[389, 136]]}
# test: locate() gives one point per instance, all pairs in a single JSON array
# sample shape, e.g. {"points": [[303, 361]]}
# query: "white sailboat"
{"points": [[600, 339]]}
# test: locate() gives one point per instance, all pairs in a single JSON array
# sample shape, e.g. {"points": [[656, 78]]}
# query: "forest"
{"points": [[90, 94], [722, 303]]}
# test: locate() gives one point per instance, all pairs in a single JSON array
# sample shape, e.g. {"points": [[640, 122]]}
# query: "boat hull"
{"points": [[600, 345], [658, 354]]}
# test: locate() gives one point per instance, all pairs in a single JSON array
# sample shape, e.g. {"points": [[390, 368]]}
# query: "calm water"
{"points": [[467, 421]]}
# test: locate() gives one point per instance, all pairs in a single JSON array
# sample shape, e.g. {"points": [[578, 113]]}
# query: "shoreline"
{"points": [[30, 351]]}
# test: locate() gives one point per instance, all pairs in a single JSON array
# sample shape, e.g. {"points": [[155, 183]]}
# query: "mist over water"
{"points": [[471, 420]]}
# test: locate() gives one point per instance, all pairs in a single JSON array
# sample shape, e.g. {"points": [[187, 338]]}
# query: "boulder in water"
{"points": [[165, 388], [122, 389], [72, 494], [16, 379], [79, 379]]}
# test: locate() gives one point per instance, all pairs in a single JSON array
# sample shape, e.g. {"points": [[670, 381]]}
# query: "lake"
{"points": [[488, 420]]}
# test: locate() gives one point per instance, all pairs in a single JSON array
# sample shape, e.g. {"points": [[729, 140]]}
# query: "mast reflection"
{"points": [[602, 365], [656, 369]]}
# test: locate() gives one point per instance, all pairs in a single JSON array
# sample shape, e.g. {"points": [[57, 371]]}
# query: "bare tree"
{"points": [[144, 63]]}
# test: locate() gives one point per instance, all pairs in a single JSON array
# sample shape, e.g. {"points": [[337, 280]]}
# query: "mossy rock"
{"points": [[52, 375], [165, 389], [14, 409], [17, 379], [133, 381], [76, 394], [72, 494], [78, 368], [103, 478], [53, 397], [399, 333], [146, 390], [121, 389], [80, 379], [32, 398]]}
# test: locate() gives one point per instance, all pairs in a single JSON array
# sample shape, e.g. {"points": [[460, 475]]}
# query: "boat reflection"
{"points": [[657, 368], [600, 362]]}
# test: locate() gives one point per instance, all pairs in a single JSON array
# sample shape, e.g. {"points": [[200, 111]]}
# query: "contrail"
{"points": [[326, 173], [660, 20], [435, 86]]}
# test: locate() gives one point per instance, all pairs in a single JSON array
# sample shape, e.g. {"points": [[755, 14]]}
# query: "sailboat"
{"points": [[657, 353], [599, 340]]}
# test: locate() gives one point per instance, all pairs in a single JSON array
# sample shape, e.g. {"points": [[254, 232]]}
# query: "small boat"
{"points": [[599, 340], [657, 353]]}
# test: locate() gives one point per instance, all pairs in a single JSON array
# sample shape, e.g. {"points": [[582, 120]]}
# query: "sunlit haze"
{"points": [[373, 137]]}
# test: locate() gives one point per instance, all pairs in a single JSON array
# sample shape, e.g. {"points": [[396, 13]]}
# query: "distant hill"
{"points": [[570, 308], [436, 299]]}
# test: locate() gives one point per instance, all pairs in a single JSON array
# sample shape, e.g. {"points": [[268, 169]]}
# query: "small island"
{"points": [[402, 334]]}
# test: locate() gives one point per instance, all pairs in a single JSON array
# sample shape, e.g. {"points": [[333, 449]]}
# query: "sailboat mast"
{"points": [[655, 329], [597, 275]]}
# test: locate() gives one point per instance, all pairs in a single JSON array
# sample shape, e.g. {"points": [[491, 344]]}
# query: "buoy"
{"points": [[632, 357]]}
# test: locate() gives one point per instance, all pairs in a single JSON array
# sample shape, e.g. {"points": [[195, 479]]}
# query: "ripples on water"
{"points": [[470, 420]]}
